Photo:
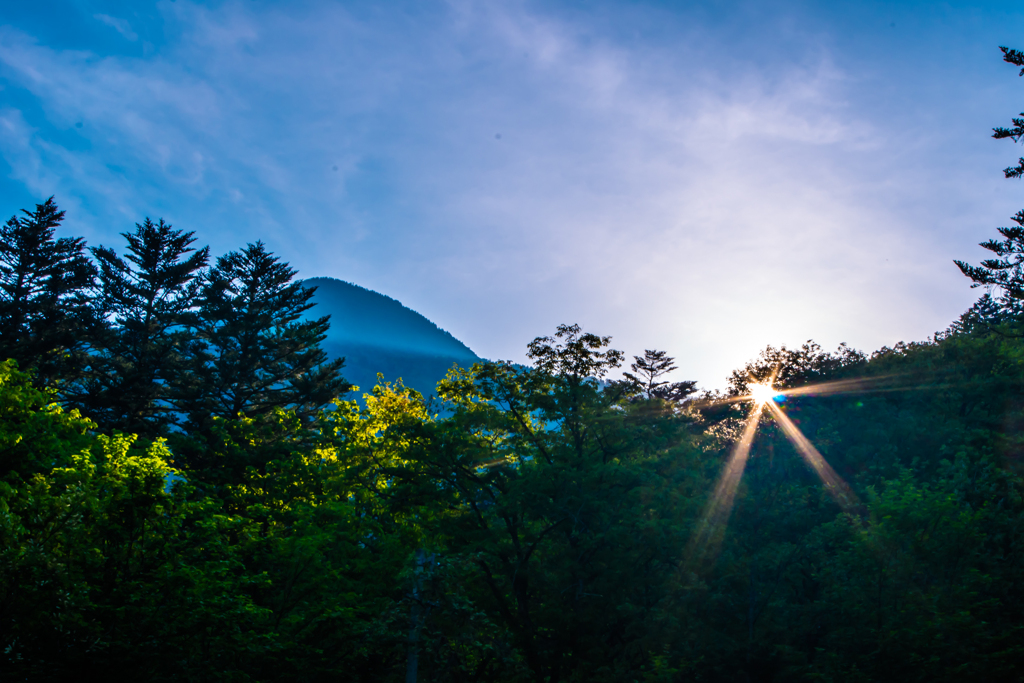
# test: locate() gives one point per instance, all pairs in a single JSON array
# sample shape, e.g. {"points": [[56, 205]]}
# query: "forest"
{"points": [[190, 490]]}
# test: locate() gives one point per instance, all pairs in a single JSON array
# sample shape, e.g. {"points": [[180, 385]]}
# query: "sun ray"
{"points": [[490, 463], [706, 540], [707, 537], [862, 385], [834, 484], [849, 386], [714, 402]]}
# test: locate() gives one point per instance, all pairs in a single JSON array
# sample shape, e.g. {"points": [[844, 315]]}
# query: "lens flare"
{"points": [[834, 484], [707, 537], [861, 385], [762, 393]]}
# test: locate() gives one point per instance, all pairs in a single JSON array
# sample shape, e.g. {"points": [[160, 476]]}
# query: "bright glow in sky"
{"points": [[674, 175], [762, 393]]}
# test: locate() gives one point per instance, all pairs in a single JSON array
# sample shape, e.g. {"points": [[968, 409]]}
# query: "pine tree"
{"points": [[1015, 133], [45, 284], [259, 353], [648, 369], [151, 296], [1006, 270], [990, 314]]}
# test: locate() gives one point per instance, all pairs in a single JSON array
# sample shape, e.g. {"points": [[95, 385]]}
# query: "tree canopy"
{"points": [[187, 493], [46, 288]]}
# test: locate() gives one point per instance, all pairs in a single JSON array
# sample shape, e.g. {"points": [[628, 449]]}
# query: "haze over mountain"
{"points": [[376, 333]]}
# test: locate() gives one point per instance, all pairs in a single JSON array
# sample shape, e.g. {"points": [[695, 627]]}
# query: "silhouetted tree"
{"points": [[46, 314], [1005, 270], [258, 353], [675, 391], [150, 296], [1015, 57], [573, 354], [990, 314], [787, 368], [647, 370]]}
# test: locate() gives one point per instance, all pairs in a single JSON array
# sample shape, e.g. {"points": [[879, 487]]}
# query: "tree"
{"points": [[1005, 270], [1015, 57], [989, 314], [648, 369], [787, 368], [561, 502], [578, 358], [46, 311], [103, 566], [35, 434], [151, 296], [258, 353]]}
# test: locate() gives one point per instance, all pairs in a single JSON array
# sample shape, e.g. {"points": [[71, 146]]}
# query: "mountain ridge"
{"points": [[377, 333]]}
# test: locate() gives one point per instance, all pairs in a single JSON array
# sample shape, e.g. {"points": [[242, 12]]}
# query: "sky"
{"points": [[705, 178]]}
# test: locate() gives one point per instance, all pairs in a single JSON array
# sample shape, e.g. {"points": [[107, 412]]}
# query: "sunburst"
{"points": [[764, 397]]}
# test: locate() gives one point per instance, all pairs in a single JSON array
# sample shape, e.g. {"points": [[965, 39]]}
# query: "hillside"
{"points": [[376, 333]]}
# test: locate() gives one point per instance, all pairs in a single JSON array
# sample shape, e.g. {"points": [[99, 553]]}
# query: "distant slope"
{"points": [[375, 334]]}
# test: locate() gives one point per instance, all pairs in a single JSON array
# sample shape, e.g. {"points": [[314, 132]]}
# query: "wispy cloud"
{"points": [[119, 25], [503, 168]]}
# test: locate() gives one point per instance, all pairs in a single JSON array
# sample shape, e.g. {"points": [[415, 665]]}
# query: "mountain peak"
{"points": [[363, 316], [375, 333]]}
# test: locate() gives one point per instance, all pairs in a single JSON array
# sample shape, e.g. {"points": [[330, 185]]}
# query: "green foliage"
{"points": [[35, 433], [105, 565], [102, 566], [920, 592], [532, 523], [565, 504]]}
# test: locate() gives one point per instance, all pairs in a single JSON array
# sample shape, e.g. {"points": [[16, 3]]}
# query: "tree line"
{"points": [[159, 339], [529, 523]]}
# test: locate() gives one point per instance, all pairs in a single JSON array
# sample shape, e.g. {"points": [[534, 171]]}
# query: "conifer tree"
{"points": [[648, 369], [990, 314], [151, 295], [1006, 270], [1016, 132], [258, 352], [45, 284]]}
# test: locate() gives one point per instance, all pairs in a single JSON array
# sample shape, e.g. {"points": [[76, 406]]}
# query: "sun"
{"points": [[762, 393], [706, 538]]}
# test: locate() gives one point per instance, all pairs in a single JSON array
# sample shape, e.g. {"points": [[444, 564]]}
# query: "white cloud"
{"points": [[119, 25], [15, 144], [643, 189]]}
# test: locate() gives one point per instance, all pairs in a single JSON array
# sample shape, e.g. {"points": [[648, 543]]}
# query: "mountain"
{"points": [[376, 333]]}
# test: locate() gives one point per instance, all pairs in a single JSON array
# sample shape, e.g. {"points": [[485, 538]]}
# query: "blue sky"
{"points": [[705, 178]]}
